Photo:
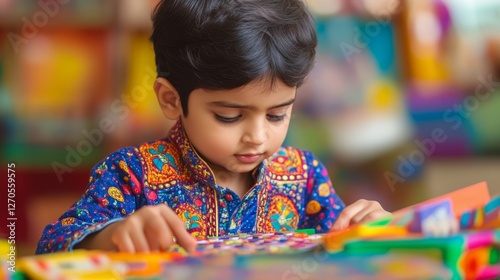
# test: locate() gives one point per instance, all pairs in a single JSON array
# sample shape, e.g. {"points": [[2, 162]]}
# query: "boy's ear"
{"points": [[168, 98]]}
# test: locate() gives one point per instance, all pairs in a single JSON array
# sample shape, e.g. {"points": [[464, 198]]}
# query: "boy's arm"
{"points": [[99, 240], [322, 205], [112, 193]]}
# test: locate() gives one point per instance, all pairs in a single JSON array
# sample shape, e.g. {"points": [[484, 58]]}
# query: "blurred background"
{"points": [[402, 105]]}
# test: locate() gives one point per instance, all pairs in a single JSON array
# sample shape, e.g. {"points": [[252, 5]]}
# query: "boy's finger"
{"points": [[164, 237], [371, 216], [158, 233], [176, 225], [339, 224], [139, 240], [361, 215], [124, 244], [344, 218], [153, 239]]}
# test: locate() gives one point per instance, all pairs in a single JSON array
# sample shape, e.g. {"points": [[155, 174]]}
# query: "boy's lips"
{"points": [[248, 158]]}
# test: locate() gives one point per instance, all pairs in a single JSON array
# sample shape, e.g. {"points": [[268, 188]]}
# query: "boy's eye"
{"points": [[276, 118], [227, 119]]}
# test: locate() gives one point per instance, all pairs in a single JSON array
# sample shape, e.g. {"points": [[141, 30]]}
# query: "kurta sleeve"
{"points": [[323, 205], [113, 192]]}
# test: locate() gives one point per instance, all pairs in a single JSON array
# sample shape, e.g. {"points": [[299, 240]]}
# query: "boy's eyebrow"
{"points": [[239, 106]]}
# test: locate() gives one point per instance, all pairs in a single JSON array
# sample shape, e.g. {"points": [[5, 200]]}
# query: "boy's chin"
{"points": [[243, 168]]}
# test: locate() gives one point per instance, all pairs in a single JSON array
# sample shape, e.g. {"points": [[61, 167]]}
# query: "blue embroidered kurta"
{"points": [[292, 190]]}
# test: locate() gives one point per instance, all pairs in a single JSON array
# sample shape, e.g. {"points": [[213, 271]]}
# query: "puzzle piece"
{"points": [[434, 219]]}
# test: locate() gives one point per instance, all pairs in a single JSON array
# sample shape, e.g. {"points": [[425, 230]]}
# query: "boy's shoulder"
{"points": [[155, 147], [292, 153], [291, 161]]}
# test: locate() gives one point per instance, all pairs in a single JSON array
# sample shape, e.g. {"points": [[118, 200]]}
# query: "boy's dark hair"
{"points": [[225, 44]]}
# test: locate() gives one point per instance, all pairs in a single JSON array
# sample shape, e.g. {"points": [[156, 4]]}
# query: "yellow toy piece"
{"points": [[4, 248], [79, 264]]}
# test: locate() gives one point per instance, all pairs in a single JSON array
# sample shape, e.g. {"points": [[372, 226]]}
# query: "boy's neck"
{"points": [[238, 183]]}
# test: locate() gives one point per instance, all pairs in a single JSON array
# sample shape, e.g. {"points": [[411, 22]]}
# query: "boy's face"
{"points": [[235, 130]]}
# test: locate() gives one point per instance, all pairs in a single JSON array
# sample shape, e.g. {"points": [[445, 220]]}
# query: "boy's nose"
{"points": [[256, 134]]}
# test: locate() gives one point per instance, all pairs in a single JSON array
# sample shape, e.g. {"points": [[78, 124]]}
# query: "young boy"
{"points": [[228, 72]]}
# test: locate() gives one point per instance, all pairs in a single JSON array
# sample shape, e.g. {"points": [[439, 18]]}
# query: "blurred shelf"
{"points": [[62, 64], [448, 174], [75, 14], [107, 14]]}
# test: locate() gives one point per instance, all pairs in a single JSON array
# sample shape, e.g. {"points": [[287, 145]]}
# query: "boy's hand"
{"points": [[149, 229], [360, 211]]}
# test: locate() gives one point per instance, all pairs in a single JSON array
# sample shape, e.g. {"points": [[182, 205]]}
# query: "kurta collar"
{"points": [[198, 168]]}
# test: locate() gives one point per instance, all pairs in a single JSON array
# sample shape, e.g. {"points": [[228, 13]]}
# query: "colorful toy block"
{"points": [[434, 219], [485, 217]]}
